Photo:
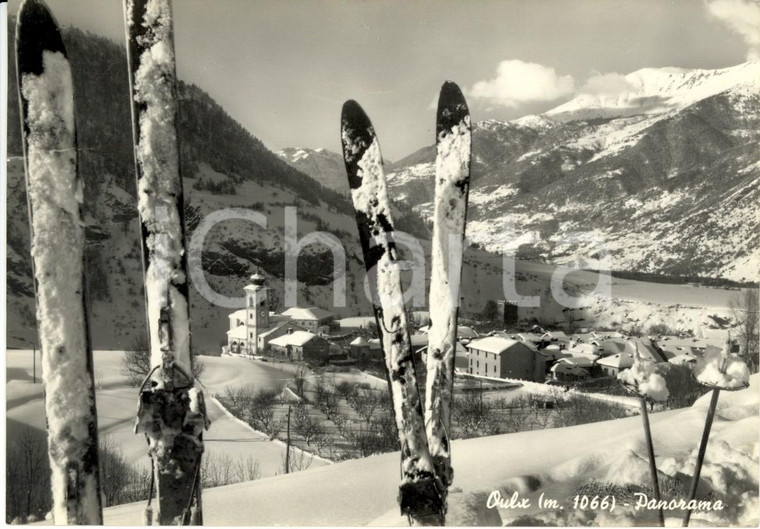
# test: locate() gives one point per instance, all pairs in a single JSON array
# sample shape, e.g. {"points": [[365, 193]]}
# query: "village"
{"points": [[316, 337]]}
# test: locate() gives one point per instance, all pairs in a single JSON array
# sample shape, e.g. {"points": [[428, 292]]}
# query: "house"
{"points": [[251, 328], [558, 337], [614, 364], [564, 371], [499, 357], [310, 318], [301, 346], [529, 337], [647, 350], [689, 359]]}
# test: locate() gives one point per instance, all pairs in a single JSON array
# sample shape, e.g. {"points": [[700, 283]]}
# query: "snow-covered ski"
{"points": [[452, 182], [420, 492], [172, 413], [55, 193]]}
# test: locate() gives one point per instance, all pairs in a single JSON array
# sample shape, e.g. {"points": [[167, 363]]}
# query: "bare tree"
{"points": [[471, 413], [365, 403], [299, 380], [261, 411], [304, 424], [746, 308], [135, 365], [27, 490], [325, 400], [298, 460]]}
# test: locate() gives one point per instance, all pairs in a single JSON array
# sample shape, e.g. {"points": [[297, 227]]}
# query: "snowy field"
{"points": [[117, 405], [553, 462]]}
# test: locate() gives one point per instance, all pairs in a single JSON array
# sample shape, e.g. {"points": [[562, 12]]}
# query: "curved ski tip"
{"points": [[452, 106], [354, 115], [36, 31]]}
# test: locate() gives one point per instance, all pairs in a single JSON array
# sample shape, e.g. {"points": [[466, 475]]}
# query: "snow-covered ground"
{"points": [[117, 404], [553, 462]]}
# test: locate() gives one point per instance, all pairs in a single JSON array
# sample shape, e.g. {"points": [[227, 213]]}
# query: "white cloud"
{"points": [[519, 82], [607, 84], [742, 17]]}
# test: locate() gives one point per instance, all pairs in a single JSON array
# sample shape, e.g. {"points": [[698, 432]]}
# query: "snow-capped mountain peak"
{"points": [[655, 90]]}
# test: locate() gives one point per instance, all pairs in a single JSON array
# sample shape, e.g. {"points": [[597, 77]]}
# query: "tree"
{"points": [[490, 310], [745, 309], [325, 400], [365, 401], [299, 380], [135, 365], [305, 425], [261, 410]]}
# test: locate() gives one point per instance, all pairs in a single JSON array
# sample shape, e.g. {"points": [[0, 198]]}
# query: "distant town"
{"points": [[315, 336]]}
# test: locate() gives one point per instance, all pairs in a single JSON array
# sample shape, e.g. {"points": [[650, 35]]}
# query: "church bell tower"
{"points": [[257, 311]]}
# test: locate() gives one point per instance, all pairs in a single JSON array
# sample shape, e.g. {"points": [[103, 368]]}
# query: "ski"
{"points": [[420, 492], [171, 412], [452, 182], [55, 194]]}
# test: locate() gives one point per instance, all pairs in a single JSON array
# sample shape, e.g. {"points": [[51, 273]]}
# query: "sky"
{"points": [[283, 68]]}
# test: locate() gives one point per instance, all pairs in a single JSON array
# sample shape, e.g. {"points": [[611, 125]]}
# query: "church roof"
{"points": [[238, 333], [296, 338], [307, 313]]}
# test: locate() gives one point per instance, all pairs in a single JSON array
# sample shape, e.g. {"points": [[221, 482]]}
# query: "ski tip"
{"points": [[354, 117], [36, 32], [452, 106], [357, 133]]}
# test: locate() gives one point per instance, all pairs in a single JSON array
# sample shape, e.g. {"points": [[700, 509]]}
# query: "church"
{"points": [[254, 327]]}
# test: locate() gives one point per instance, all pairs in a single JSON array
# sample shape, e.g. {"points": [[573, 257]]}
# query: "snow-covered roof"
{"points": [[296, 338], [583, 348], [288, 324], [359, 340], [570, 369], [619, 345], [307, 313], [559, 336], [620, 360], [580, 361], [238, 333], [528, 337], [493, 344], [466, 332], [238, 314], [681, 359]]}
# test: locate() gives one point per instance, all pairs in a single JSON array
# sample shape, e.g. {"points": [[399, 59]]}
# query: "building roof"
{"points": [[296, 338], [570, 369], [274, 328], [580, 360], [466, 332], [359, 340], [619, 345], [681, 359], [307, 313], [584, 349], [238, 333], [558, 336], [493, 344], [528, 337], [620, 361], [238, 314]]}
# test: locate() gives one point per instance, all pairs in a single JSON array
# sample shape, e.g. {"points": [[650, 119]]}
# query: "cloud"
{"points": [[742, 17], [519, 82], [607, 84]]}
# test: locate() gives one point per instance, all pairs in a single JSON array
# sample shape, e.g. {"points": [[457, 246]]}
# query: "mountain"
{"points": [[663, 177], [326, 167]]}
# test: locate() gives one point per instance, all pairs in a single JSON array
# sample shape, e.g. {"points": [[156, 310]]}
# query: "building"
{"points": [[311, 318], [614, 364], [499, 357], [251, 329], [568, 372], [508, 312], [301, 346]]}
